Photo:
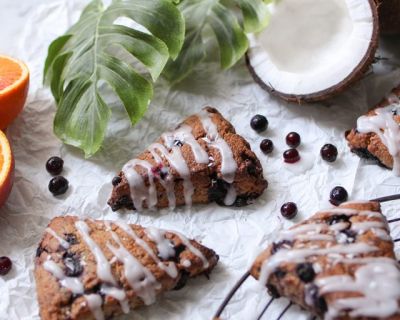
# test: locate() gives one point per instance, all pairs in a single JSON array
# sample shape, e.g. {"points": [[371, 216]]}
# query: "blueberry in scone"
{"points": [[91, 269], [203, 160]]}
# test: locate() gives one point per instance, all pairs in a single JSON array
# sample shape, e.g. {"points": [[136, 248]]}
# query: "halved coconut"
{"points": [[389, 16], [314, 49]]}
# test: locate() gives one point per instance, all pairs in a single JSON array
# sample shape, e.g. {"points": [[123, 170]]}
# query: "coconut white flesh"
{"points": [[311, 45]]}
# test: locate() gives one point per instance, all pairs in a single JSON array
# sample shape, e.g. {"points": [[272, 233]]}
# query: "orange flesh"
{"points": [[10, 72]]}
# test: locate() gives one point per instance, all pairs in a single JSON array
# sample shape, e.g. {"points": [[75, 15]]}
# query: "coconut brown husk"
{"points": [[389, 16]]}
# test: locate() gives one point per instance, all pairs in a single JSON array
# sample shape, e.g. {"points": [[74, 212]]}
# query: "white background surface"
{"points": [[26, 29]]}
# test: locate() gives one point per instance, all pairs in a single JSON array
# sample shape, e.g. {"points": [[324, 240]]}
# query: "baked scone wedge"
{"points": [[339, 265], [377, 134], [201, 161], [90, 269]]}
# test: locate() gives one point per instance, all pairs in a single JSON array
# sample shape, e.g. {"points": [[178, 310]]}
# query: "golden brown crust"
{"points": [[206, 178], [285, 279], [57, 302], [369, 145]]}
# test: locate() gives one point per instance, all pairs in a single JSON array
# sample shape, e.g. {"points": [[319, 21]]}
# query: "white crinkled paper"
{"points": [[237, 235]]}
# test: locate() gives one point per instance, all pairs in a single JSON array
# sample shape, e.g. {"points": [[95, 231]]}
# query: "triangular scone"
{"points": [[377, 134], [339, 264], [203, 160], [90, 269]]}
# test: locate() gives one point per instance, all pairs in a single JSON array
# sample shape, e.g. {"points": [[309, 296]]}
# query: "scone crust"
{"points": [[58, 303], [369, 145], [249, 181], [285, 282]]}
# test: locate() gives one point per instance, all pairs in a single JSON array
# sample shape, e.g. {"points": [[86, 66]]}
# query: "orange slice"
{"points": [[6, 168], [14, 84]]}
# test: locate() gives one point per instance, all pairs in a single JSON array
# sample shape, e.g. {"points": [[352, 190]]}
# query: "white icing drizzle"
{"points": [[139, 191], [193, 249], [95, 302], [186, 263], [164, 246], [117, 294], [71, 283], [228, 163], [139, 278], [299, 255], [230, 197], [62, 242], [376, 280], [378, 284], [103, 265], [164, 252], [386, 128], [184, 135], [176, 160]]}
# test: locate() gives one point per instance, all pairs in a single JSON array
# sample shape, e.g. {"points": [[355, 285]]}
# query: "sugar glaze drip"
{"points": [[62, 242], [376, 280], [138, 276], [71, 283], [172, 153], [386, 128], [141, 279], [170, 269]]}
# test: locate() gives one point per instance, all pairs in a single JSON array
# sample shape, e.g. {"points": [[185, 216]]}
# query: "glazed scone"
{"points": [[339, 265], [202, 161], [90, 269], [377, 134]]}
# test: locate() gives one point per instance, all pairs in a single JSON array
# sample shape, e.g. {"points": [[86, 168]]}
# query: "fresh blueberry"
{"points": [[293, 139], [55, 165], [338, 195], [58, 185], [291, 156], [329, 153], [289, 210], [5, 265], [259, 123], [267, 146]]}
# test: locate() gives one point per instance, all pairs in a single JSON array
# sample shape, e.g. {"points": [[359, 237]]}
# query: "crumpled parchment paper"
{"points": [[237, 235]]}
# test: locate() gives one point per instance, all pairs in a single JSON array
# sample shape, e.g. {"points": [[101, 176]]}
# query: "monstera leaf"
{"points": [[221, 19], [89, 55]]}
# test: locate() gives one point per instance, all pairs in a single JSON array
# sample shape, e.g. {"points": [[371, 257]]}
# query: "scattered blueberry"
{"points": [[58, 185], [266, 146], [305, 272], [329, 152], [338, 195], [54, 165], [289, 210], [116, 181], [291, 156], [5, 265], [293, 139], [259, 123]]}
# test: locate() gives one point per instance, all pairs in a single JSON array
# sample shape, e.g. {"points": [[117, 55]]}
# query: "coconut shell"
{"points": [[358, 72], [389, 16]]}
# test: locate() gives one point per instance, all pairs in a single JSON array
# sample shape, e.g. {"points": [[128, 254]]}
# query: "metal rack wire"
{"points": [[245, 276]]}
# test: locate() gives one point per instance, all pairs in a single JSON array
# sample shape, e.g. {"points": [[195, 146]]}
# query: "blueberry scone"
{"points": [[377, 134], [201, 161], [90, 269], [339, 264]]}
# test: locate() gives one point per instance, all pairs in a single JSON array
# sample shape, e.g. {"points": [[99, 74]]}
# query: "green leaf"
{"points": [[230, 32], [89, 55]]}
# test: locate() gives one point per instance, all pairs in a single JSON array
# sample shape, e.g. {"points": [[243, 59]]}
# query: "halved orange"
{"points": [[14, 85], [6, 168]]}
